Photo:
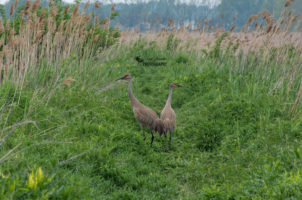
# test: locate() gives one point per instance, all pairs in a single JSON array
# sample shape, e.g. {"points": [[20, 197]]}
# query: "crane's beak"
{"points": [[119, 79], [179, 85]]}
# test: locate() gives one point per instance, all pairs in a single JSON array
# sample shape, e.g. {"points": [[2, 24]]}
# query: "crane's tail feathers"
{"points": [[159, 126]]}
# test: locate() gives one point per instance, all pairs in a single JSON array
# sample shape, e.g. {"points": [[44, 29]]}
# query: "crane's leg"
{"points": [[144, 134], [170, 137], [152, 138], [165, 142]]}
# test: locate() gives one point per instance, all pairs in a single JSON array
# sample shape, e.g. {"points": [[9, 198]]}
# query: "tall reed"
{"points": [[36, 37]]}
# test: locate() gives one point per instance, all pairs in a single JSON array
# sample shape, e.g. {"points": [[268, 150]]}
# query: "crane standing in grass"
{"points": [[168, 116], [144, 115]]}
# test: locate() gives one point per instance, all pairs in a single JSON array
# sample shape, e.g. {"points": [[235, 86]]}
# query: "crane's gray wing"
{"points": [[145, 115], [168, 118]]}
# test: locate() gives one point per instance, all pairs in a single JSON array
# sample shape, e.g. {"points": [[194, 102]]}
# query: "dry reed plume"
{"points": [[260, 30], [42, 39]]}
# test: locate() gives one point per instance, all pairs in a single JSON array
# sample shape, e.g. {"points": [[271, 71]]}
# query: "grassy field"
{"points": [[237, 134], [67, 130]]}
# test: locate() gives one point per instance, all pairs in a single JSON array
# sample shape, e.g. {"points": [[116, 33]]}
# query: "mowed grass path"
{"points": [[233, 139]]}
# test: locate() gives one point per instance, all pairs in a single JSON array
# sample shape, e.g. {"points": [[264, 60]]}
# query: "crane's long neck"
{"points": [[130, 93], [168, 103]]}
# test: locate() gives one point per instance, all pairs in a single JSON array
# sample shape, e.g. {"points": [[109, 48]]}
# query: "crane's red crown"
{"points": [[125, 77], [175, 85]]}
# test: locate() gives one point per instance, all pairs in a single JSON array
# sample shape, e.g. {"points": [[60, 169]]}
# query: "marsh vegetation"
{"points": [[67, 130]]}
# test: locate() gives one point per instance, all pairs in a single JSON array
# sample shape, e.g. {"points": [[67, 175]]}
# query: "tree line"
{"points": [[158, 14]]}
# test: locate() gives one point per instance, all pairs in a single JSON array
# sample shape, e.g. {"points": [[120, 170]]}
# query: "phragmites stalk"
{"points": [[86, 5], [42, 14], [234, 17], [38, 36], [294, 19], [244, 28], [96, 22], [96, 4], [87, 18], [7, 25], [1, 27], [106, 23], [283, 13], [27, 6], [36, 20], [22, 14], [188, 27], [113, 7], [11, 36], [261, 27], [11, 10], [95, 38], [198, 25], [61, 26], [290, 13], [269, 25], [36, 5], [66, 10], [2, 41], [256, 26], [76, 10], [232, 28], [252, 18], [287, 4], [54, 11], [16, 4], [266, 14], [171, 23]]}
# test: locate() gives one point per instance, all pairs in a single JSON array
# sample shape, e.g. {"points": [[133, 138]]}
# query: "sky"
{"points": [[210, 3]]}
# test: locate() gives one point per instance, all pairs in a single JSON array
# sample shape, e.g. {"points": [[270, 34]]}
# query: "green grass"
{"points": [[234, 139]]}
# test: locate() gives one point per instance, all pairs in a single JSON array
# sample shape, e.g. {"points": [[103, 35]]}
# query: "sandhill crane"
{"points": [[154, 62], [167, 115], [144, 115]]}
